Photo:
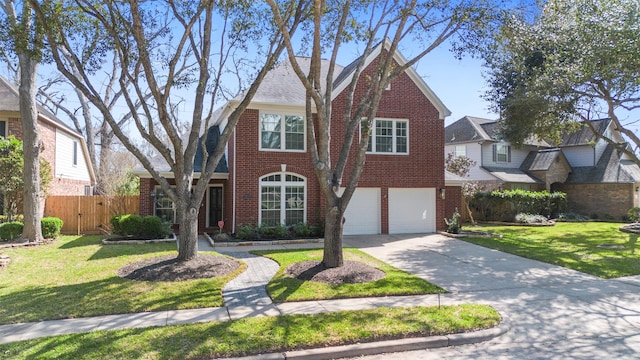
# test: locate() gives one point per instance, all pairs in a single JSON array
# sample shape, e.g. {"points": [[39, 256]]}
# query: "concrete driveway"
{"points": [[555, 313]]}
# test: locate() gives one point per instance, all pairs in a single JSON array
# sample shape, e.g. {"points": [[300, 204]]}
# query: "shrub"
{"points": [[246, 232], [5, 218], [453, 224], [126, 225], [152, 227], [11, 230], [51, 227], [634, 214], [302, 230], [505, 205], [523, 218], [572, 216]]}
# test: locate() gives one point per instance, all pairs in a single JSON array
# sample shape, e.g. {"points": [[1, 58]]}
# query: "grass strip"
{"points": [[283, 288], [596, 248], [258, 335]]}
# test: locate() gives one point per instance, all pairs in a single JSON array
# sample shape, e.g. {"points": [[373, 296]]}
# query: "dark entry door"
{"points": [[215, 206]]}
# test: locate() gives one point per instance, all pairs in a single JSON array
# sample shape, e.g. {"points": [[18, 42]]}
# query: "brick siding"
{"points": [[599, 199]]}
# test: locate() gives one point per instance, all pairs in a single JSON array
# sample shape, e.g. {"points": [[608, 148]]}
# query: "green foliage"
{"points": [[11, 230], [51, 227], [453, 224], [302, 229], [578, 60], [253, 232], [505, 205], [152, 227], [11, 175], [246, 232], [634, 214], [126, 225], [128, 185], [148, 227]]}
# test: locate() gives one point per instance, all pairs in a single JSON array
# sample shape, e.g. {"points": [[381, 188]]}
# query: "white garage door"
{"points": [[412, 210], [363, 212]]}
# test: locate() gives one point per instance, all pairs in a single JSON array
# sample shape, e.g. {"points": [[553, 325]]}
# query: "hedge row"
{"points": [[504, 205], [133, 225], [50, 226]]}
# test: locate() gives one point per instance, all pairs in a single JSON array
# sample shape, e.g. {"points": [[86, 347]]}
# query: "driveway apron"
{"points": [[554, 312]]}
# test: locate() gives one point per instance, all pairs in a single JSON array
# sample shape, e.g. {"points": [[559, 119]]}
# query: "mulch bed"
{"points": [[23, 243], [633, 228], [168, 268], [352, 272]]}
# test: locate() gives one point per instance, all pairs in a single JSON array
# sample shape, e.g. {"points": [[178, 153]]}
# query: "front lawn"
{"points": [[258, 335], [76, 277], [283, 288], [596, 248]]}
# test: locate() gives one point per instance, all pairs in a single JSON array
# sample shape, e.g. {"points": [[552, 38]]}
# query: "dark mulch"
{"points": [[352, 272], [168, 268]]}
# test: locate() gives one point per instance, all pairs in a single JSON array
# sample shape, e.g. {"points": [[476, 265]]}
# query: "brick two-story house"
{"points": [[63, 147], [598, 179], [267, 176]]}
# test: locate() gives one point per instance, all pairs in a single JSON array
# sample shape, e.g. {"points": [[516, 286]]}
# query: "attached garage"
{"points": [[412, 210], [362, 216]]}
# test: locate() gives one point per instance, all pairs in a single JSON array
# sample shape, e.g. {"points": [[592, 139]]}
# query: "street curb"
{"points": [[388, 346]]}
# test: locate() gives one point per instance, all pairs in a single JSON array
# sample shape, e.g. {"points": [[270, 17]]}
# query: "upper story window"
{"points": [[389, 136], [3, 128], [460, 151], [284, 132], [501, 153]]}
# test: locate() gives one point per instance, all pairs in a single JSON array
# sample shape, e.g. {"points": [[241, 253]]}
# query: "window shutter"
{"points": [[509, 153], [495, 150]]}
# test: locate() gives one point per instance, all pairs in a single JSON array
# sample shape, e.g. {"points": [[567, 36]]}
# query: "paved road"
{"points": [[555, 313]]}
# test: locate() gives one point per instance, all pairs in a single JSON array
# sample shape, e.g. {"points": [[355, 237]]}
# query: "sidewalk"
{"points": [[245, 296]]}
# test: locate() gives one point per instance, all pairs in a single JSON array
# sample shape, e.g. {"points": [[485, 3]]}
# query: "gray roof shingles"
{"points": [[540, 160]]}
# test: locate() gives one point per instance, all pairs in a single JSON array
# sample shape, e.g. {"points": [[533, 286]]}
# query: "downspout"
{"points": [[233, 191]]}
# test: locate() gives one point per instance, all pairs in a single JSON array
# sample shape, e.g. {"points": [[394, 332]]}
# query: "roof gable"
{"points": [[344, 79], [584, 135], [468, 129]]}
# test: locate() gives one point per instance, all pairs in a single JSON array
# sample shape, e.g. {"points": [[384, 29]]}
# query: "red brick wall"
{"points": [[422, 168], [598, 199], [453, 197]]}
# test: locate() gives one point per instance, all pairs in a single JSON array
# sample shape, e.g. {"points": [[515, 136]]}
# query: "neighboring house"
{"points": [[598, 179], [63, 147], [269, 178]]}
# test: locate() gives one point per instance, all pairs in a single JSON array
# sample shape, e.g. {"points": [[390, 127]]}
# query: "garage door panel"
{"points": [[412, 210], [363, 212]]}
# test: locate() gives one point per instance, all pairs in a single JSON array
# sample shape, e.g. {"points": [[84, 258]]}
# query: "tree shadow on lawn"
{"points": [[84, 240], [113, 295], [113, 251]]}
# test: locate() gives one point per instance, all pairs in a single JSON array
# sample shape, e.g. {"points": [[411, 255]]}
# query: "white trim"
{"points": [[283, 133], [394, 144], [221, 186], [283, 183]]}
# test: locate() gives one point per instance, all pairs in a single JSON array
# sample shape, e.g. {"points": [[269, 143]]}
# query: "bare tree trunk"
{"points": [[188, 238], [334, 223], [466, 205], [31, 148]]}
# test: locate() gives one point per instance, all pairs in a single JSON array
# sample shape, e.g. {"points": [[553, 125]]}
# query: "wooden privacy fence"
{"points": [[89, 214]]}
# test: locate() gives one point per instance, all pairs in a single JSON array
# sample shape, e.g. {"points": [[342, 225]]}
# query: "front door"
{"points": [[215, 205]]}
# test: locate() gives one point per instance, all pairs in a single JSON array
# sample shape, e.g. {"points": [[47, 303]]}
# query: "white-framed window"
{"points": [[283, 199], [389, 136], [3, 128], [163, 206], [460, 151], [75, 153], [282, 132], [501, 153]]}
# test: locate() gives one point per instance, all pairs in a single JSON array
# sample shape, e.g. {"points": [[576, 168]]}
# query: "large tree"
{"points": [[419, 26], [22, 38], [574, 61], [167, 50]]}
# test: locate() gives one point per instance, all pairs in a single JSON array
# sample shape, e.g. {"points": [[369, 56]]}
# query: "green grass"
{"points": [[571, 244], [76, 277], [283, 288], [257, 335]]}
